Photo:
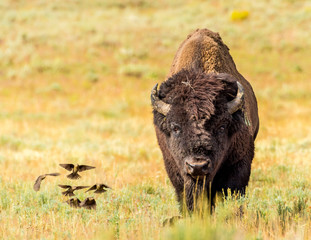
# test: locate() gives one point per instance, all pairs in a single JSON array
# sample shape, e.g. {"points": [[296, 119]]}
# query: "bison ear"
{"points": [[230, 85], [160, 121], [233, 91]]}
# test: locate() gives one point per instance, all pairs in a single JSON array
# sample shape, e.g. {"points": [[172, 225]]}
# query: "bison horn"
{"points": [[237, 102], [158, 104]]}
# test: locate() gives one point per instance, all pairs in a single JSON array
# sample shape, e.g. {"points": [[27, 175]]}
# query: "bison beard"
{"points": [[206, 120]]}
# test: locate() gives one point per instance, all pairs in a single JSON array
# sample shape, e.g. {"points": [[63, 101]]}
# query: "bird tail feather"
{"points": [[74, 176]]}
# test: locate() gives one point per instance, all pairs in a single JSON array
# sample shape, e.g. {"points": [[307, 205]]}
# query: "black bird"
{"points": [[74, 202], [99, 188], [75, 169], [71, 189], [89, 203], [37, 184]]}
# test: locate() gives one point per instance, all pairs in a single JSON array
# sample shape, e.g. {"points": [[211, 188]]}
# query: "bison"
{"points": [[206, 120]]}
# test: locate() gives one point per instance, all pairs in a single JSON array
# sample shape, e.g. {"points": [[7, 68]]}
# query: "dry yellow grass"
{"points": [[75, 79]]}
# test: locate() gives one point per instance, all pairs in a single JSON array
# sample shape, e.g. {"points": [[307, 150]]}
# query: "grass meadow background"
{"points": [[75, 81]]}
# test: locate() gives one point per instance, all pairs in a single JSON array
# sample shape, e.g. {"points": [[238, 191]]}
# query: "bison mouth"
{"points": [[198, 167]]}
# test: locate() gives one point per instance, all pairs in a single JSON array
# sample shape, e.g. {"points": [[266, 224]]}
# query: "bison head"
{"points": [[198, 113]]}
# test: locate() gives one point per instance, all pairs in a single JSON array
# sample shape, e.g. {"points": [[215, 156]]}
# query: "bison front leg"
{"points": [[235, 178], [236, 170]]}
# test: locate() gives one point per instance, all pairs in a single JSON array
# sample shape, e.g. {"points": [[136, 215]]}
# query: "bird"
{"points": [[75, 169], [88, 203], [37, 184], [74, 202], [99, 188], [71, 189]]}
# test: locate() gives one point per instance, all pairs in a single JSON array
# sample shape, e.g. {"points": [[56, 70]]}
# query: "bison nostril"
{"points": [[205, 167], [189, 165], [190, 168]]}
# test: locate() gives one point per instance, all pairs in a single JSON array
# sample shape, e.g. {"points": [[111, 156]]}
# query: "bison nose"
{"points": [[198, 168]]}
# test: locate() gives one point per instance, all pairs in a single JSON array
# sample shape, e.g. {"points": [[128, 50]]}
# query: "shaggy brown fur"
{"points": [[205, 50], [199, 125]]}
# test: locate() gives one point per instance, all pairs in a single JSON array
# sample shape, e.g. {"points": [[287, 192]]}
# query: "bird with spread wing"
{"points": [[37, 184], [99, 188], [71, 189], [88, 203], [75, 169]]}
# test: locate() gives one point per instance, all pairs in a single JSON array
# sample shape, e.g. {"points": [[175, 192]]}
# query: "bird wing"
{"points": [[84, 168], [64, 186], [67, 166], [91, 201], [37, 184], [92, 188], [88, 201], [105, 186], [53, 174]]}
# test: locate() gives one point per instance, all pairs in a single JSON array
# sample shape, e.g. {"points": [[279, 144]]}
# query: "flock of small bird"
{"points": [[89, 202]]}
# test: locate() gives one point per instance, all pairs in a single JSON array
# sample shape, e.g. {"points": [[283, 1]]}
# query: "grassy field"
{"points": [[75, 80]]}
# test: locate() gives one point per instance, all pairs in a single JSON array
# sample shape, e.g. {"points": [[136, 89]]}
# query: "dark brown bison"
{"points": [[206, 120]]}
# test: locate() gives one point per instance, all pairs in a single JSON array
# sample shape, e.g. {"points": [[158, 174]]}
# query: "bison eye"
{"points": [[175, 128], [222, 129]]}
